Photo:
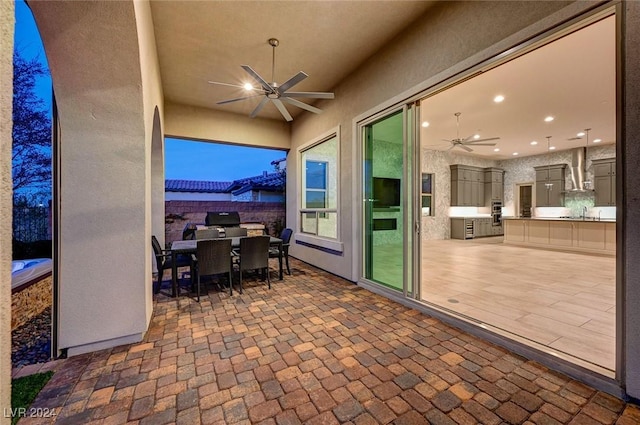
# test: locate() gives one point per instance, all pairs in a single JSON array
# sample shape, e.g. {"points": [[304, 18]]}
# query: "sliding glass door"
{"points": [[388, 201]]}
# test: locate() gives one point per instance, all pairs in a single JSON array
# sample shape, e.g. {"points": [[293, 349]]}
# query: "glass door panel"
{"points": [[384, 194]]}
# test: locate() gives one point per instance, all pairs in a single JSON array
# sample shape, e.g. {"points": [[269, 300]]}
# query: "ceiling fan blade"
{"points": [[479, 144], [292, 82], [259, 107], [302, 105], [287, 116], [466, 148], [266, 86], [482, 140], [575, 138], [309, 94], [225, 84], [237, 99]]}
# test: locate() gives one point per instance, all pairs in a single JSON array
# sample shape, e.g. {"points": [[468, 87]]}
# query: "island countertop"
{"points": [[586, 219]]}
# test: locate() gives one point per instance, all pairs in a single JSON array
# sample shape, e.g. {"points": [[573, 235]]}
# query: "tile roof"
{"points": [[201, 186], [265, 181]]}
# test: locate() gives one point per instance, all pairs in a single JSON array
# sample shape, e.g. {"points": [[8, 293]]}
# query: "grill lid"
{"points": [[223, 219]]}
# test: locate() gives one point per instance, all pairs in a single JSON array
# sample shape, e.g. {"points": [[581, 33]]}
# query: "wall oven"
{"points": [[496, 213]]}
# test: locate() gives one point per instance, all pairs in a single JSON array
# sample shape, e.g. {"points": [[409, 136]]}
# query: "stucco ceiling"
{"points": [[572, 79], [198, 41]]}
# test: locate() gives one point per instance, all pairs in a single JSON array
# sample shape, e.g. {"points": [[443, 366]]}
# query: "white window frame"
{"points": [[321, 213]]}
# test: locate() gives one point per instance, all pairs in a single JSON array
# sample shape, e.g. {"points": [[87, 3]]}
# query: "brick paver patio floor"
{"points": [[314, 349]]}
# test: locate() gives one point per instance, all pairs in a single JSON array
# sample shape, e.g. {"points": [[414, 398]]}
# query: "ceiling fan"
{"points": [[468, 141], [278, 94]]}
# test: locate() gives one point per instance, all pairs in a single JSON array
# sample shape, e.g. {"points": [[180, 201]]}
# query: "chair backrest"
{"points": [[157, 249], [207, 234], [286, 236], [214, 256], [234, 232], [254, 252]]}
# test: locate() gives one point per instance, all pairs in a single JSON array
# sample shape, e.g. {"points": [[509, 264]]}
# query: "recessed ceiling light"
{"points": [[580, 134], [425, 124], [496, 149], [515, 154], [597, 140], [499, 98], [534, 143], [476, 136], [548, 119], [247, 86], [552, 148]]}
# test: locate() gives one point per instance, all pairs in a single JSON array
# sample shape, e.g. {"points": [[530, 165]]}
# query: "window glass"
{"points": [[320, 188]]}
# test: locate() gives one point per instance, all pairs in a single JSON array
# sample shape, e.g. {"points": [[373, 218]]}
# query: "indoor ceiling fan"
{"points": [[278, 94], [468, 141]]}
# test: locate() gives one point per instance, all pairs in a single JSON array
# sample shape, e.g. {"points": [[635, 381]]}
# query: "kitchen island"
{"points": [[566, 234]]}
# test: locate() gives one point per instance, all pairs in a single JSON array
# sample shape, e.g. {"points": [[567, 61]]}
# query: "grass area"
{"points": [[24, 390]]}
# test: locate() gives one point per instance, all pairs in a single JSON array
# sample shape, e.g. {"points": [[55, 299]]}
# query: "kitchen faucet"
{"points": [[584, 212], [599, 212]]}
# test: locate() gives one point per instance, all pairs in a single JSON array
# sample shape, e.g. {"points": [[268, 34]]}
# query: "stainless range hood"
{"points": [[578, 167]]}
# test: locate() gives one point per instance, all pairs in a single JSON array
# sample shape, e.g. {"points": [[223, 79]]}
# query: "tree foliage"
{"points": [[31, 156]]}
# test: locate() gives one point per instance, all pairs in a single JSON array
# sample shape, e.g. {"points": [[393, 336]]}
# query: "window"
{"points": [[316, 196], [427, 194], [319, 205]]}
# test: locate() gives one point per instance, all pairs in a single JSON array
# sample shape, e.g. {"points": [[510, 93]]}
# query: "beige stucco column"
{"points": [[104, 81], [6, 102]]}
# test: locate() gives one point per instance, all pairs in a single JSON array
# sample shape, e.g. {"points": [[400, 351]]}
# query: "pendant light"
{"points": [[548, 184], [586, 183]]}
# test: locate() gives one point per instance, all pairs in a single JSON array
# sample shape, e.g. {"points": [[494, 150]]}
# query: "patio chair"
{"points": [[274, 252], [213, 257], [254, 255], [164, 262], [234, 232], [207, 234]]}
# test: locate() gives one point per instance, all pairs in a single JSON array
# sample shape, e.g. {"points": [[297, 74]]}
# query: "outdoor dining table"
{"points": [[191, 247]]}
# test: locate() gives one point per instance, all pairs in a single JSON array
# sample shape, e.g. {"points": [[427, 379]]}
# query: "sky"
{"points": [[189, 160], [186, 160]]}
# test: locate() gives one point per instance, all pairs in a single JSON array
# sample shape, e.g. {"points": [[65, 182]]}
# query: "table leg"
{"points": [[280, 258], [174, 275]]}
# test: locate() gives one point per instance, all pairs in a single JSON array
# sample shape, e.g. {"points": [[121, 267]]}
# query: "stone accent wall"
{"points": [[179, 213], [31, 301]]}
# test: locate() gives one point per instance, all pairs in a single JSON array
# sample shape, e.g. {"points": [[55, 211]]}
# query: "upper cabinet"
{"points": [[553, 195], [493, 185], [475, 186], [604, 178]]}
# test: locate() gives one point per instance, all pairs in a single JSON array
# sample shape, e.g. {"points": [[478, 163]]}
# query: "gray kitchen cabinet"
{"points": [[554, 174], [467, 186], [604, 179], [473, 227], [493, 185]]}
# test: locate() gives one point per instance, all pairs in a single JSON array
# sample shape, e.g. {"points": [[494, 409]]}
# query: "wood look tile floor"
{"points": [[562, 300]]}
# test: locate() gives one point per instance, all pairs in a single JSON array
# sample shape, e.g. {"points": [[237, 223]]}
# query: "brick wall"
{"points": [[179, 213]]}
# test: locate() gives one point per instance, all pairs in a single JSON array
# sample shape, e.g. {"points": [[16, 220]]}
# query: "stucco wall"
{"points": [[190, 122], [6, 102], [153, 103], [432, 49], [95, 64]]}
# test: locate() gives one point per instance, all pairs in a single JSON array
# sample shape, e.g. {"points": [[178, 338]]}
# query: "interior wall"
{"points": [[449, 38], [95, 62], [7, 22], [191, 122]]}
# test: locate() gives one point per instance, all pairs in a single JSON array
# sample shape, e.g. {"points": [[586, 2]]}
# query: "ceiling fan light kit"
{"points": [[275, 93]]}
